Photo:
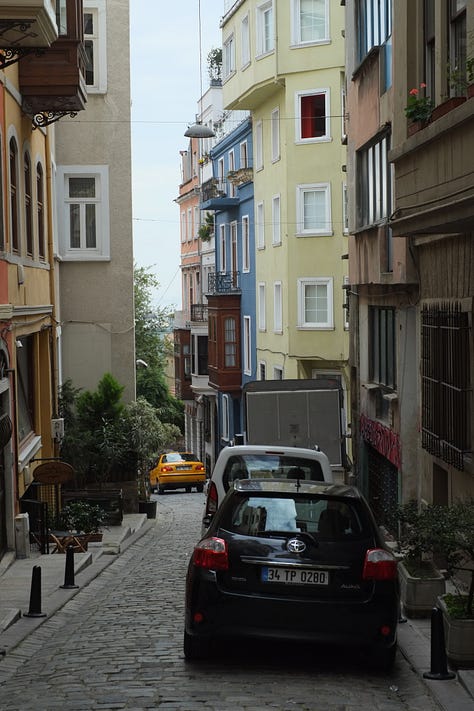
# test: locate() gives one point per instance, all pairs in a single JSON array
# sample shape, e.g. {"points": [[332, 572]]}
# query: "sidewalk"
{"points": [[414, 635], [16, 577]]}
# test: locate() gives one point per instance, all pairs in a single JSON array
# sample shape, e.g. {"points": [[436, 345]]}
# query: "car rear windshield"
{"points": [[271, 466], [179, 457], [331, 519]]}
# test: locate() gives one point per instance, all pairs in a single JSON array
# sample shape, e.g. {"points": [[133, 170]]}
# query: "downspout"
{"points": [[52, 282]]}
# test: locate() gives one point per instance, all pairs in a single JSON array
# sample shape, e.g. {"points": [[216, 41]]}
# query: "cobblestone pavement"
{"points": [[118, 645]]}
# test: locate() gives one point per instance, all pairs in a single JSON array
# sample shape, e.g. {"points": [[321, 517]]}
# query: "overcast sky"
{"points": [[165, 90]]}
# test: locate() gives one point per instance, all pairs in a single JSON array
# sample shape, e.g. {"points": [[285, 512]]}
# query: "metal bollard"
{"points": [[439, 663], [69, 570], [35, 594]]}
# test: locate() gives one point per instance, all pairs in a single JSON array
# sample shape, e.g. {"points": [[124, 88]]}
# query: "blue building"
{"points": [[231, 290]]}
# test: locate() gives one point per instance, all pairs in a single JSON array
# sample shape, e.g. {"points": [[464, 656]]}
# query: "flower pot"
{"points": [[416, 126], [420, 592], [459, 638], [148, 508], [447, 106]]}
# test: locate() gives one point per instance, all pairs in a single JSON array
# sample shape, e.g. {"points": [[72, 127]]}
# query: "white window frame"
{"points": [[233, 247], [326, 224], [244, 155], [262, 368], [183, 226], [247, 345], [225, 418], [99, 40], [231, 189], [275, 124], [245, 41], [245, 244], [260, 225], [189, 227], [102, 250], [296, 26], [228, 57], [298, 117], [222, 250], [262, 307], [345, 209], [277, 307], [259, 145], [328, 323], [277, 372], [196, 221], [265, 34], [276, 221]]}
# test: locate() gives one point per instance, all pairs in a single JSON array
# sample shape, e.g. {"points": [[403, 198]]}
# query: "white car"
{"points": [[252, 461]]}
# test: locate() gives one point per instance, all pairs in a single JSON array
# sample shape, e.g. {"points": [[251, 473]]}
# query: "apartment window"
{"points": [[28, 197], [446, 382], [315, 303], [247, 346], [259, 145], [312, 116], [313, 204], [231, 186], [262, 318], [189, 226], [277, 373], [262, 370], [245, 244], [233, 252], [26, 389], [382, 346], [345, 306], [225, 419], [84, 232], [14, 221], [260, 225], [310, 21], [277, 307], [345, 209], [196, 220], [183, 226], [374, 24], [276, 221], [245, 41], [2, 224], [430, 46], [222, 250], [264, 28], [275, 123], [95, 34], [40, 211], [373, 183], [230, 342], [228, 57], [457, 42], [244, 161], [61, 17]]}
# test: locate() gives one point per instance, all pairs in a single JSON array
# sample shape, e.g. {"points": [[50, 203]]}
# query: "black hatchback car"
{"points": [[293, 560]]}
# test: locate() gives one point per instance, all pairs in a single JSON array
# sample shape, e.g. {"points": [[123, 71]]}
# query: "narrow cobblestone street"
{"points": [[118, 645]]}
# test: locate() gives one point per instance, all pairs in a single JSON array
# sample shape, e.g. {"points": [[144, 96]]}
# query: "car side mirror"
{"points": [[207, 520]]}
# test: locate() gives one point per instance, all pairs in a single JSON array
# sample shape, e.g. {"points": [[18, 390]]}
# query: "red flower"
{"points": [[414, 92]]}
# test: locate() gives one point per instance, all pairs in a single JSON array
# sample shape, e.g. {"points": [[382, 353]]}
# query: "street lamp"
{"points": [[197, 130]]}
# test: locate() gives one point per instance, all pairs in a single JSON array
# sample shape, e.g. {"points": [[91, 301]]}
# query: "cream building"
{"points": [[285, 62]]}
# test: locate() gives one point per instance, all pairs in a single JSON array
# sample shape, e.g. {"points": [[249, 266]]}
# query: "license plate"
{"points": [[183, 469], [295, 576]]}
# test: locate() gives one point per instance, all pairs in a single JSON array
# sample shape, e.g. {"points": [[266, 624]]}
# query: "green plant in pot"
{"points": [[421, 583], [82, 517]]}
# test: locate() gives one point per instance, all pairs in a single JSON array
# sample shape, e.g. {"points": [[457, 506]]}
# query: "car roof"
{"points": [[270, 449], [286, 486]]}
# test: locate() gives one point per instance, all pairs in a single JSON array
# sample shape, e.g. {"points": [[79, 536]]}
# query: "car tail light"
{"points": [[211, 553], [379, 565], [211, 502], [167, 469], [199, 468]]}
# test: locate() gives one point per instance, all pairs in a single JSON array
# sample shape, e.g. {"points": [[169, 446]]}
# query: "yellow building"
{"points": [[285, 63]]}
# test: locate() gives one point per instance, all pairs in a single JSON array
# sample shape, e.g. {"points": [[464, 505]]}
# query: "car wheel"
{"points": [[383, 658], [161, 490], [195, 648], [200, 488]]}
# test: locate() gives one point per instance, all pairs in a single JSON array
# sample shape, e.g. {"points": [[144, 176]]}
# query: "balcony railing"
{"points": [[198, 312], [213, 188], [223, 282]]}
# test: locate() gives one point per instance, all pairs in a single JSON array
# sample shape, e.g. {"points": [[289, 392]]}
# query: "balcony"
{"points": [[215, 195], [54, 82], [199, 312], [29, 24], [223, 283]]}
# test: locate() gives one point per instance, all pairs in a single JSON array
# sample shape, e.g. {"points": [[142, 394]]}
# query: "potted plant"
{"points": [[421, 583], [453, 528], [418, 109], [83, 518], [462, 80], [206, 230]]}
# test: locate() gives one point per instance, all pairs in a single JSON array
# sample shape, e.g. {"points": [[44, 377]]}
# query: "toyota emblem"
{"points": [[295, 545]]}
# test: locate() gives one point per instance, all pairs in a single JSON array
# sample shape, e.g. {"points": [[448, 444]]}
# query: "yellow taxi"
{"points": [[178, 470]]}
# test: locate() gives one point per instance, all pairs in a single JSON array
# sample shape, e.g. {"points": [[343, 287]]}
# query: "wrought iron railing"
{"points": [[198, 312], [213, 188], [223, 282]]}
